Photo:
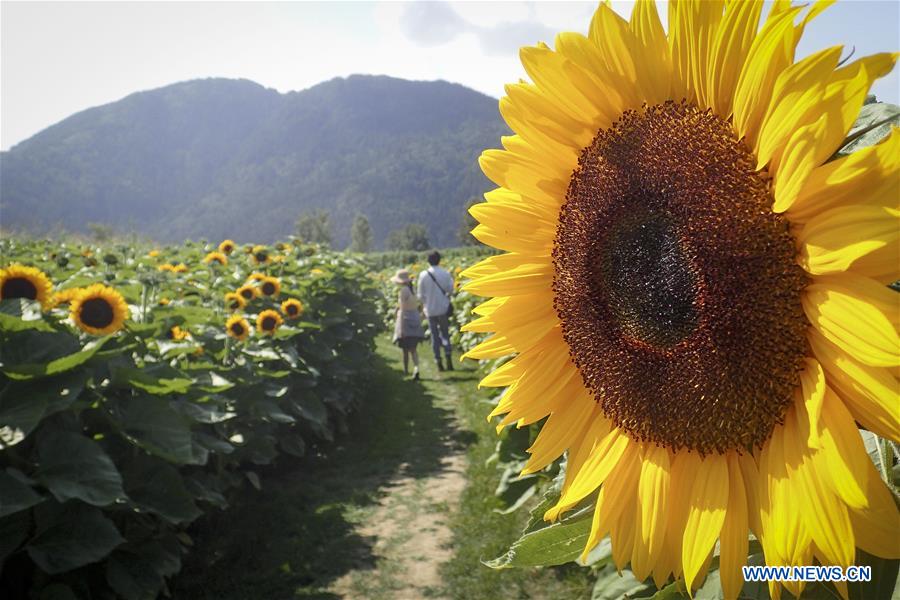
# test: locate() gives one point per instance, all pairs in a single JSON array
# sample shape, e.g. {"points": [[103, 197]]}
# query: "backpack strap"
{"points": [[430, 274]]}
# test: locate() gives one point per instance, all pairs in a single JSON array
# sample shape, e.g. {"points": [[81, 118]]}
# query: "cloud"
{"points": [[432, 23]]}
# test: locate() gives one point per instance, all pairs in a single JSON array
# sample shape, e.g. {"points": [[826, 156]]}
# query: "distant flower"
{"points": [[237, 327], [268, 321], [292, 308]]}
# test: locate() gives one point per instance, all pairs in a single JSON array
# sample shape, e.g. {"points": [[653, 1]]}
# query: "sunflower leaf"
{"points": [[872, 125]]}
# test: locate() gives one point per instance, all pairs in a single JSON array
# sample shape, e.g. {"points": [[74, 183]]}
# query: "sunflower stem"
{"points": [[887, 461]]}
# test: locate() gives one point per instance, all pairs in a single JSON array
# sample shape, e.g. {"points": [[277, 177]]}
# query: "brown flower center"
{"points": [[96, 313], [18, 287], [268, 323], [676, 284]]}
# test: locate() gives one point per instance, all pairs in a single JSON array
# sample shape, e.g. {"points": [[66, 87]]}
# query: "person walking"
{"points": [[408, 330], [435, 289]]}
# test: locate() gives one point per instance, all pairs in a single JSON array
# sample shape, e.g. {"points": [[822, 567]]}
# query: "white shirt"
{"points": [[434, 300]]}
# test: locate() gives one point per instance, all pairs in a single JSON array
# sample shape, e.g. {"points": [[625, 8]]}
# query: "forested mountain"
{"points": [[222, 158]]}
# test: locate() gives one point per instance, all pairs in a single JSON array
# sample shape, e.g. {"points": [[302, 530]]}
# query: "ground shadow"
{"points": [[294, 538]]}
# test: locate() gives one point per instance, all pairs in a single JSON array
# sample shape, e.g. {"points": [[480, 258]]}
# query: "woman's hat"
{"points": [[402, 276]]}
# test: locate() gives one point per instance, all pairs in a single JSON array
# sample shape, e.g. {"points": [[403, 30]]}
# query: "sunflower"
{"points": [[18, 281], [237, 327], [166, 267], [215, 257], [176, 333], [99, 310], [227, 247], [247, 291], [270, 286], [153, 253], [164, 301], [235, 301], [292, 308], [316, 271], [65, 296], [180, 268], [268, 321], [694, 291], [256, 276], [260, 255]]}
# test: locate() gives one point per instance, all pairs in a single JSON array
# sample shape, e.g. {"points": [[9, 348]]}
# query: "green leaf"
{"points": [[158, 487], [311, 408], [612, 586], [57, 591], [13, 531], [155, 426], [555, 544], [73, 466], [11, 324], [159, 380], [79, 535], [292, 444], [132, 577], [24, 404], [15, 495], [872, 125], [56, 365]]}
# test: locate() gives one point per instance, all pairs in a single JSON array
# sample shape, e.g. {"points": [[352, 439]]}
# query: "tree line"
{"points": [[315, 227]]}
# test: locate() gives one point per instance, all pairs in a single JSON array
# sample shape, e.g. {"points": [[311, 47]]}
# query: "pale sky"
{"points": [[60, 58]]}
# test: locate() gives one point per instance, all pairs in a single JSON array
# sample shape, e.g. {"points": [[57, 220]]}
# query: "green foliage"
{"points": [[314, 228], [360, 234], [413, 237], [232, 159], [110, 447]]}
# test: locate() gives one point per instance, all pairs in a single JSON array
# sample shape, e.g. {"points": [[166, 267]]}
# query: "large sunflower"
{"points": [[98, 310], [694, 289], [17, 281]]}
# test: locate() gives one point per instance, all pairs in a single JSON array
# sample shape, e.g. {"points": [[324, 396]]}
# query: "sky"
{"points": [[58, 58]]}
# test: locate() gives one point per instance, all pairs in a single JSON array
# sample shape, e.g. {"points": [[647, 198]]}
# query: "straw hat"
{"points": [[401, 277]]}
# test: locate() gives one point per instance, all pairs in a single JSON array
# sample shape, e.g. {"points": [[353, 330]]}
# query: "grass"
{"points": [[316, 530]]}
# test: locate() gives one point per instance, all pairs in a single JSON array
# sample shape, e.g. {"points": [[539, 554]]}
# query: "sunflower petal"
{"points": [[877, 528], [835, 239], [708, 505], [729, 53], [526, 278], [869, 176], [596, 468], [652, 49], [855, 314], [870, 393], [734, 543], [613, 499], [652, 497]]}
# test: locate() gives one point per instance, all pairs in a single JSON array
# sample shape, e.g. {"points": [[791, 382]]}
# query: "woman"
{"points": [[408, 330]]}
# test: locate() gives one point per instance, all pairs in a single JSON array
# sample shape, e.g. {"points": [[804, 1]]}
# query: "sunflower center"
{"points": [[237, 329], [268, 323], [676, 285], [18, 287], [97, 313], [268, 288]]}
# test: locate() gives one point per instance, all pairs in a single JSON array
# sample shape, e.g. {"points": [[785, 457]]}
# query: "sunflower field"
{"points": [[140, 388]]}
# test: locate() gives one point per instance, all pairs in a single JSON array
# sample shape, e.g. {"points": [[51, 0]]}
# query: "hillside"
{"points": [[222, 158]]}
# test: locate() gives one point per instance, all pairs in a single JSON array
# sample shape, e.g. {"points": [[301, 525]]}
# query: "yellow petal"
{"points": [[858, 315], [556, 434], [493, 347], [579, 453], [613, 499], [832, 241], [527, 278], [869, 176], [812, 392], [843, 456], [709, 503], [797, 93], [596, 468], [651, 52], [652, 506], [524, 176], [870, 393], [543, 114], [500, 263], [770, 53], [733, 543], [877, 528], [729, 53], [693, 26]]}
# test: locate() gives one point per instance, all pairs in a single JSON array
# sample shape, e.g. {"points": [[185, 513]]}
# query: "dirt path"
{"points": [[365, 517], [409, 522]]}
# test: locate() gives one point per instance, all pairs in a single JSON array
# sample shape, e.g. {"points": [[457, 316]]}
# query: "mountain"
{"points": [[217, 158]]}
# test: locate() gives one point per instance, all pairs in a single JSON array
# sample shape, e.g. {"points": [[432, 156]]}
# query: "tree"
{"points": [[360, 234], [468, 223], [315, 228], [412, 237]]}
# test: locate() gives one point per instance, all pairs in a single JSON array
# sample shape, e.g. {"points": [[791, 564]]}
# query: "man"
{"points": [[435, 288]]}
